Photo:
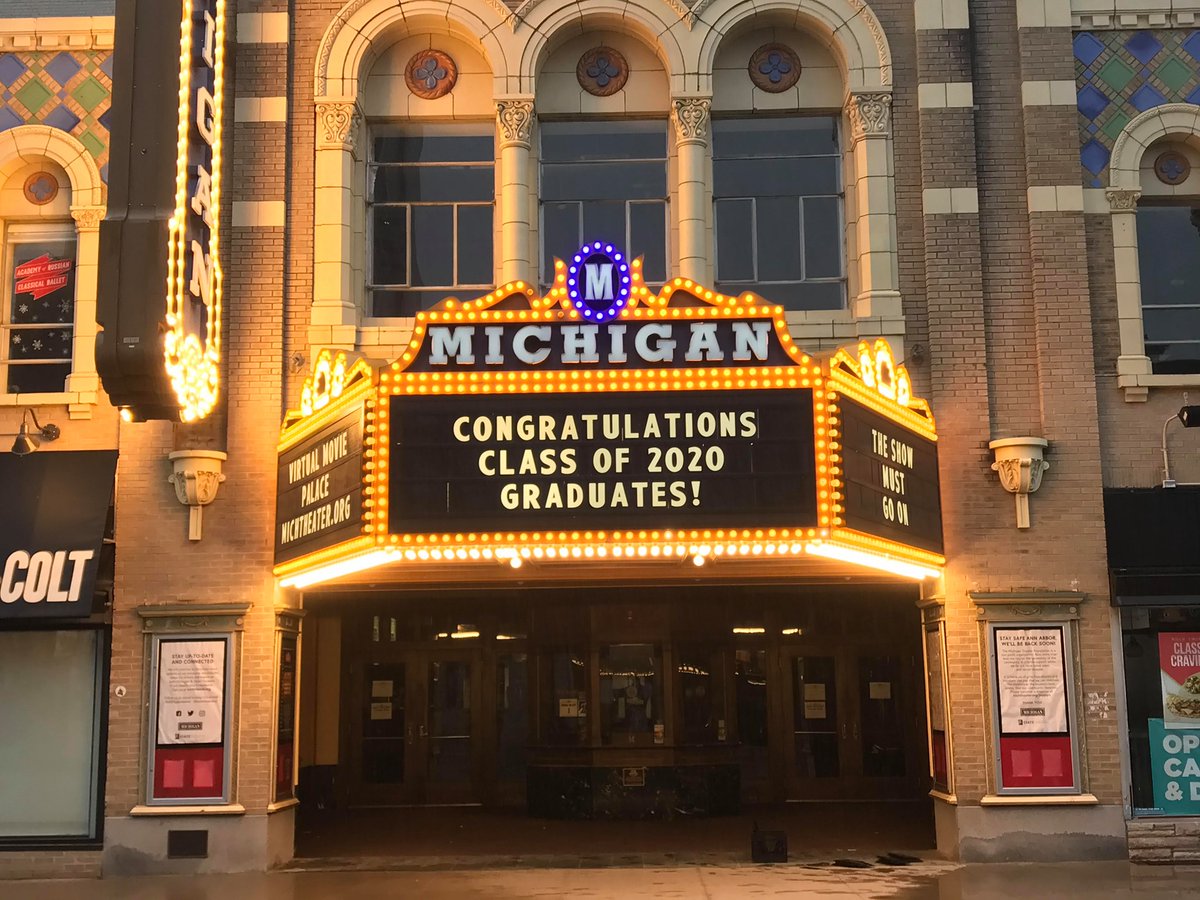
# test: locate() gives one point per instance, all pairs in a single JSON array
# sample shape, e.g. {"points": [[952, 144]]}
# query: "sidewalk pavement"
{"points": [[922, 881]]}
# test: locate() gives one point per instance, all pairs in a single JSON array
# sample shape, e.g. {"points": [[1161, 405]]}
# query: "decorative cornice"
{"points": [[870, 114], [1163, 17], [55, 34], [690, 118], [1123, 199], [515, 118], [87, 218], [337, 124], [881, 45]]}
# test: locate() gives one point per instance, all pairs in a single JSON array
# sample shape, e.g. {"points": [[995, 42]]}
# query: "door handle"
{"points": [[843, 731], [421, 732]]}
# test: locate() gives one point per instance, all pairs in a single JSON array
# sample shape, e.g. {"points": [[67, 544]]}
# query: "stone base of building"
{"points": [[1164, 840], [16, 864], [137, 845], [1036, 833]]}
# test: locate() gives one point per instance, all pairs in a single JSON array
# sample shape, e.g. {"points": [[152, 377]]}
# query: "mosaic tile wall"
{"points": [[1119, 74], [67, 90]]}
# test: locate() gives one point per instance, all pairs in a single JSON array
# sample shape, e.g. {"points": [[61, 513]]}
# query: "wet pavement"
{"points": [[929, 880]]}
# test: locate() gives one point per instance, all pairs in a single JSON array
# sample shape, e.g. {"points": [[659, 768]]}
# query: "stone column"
{"points": [[690, 117], [335, 314], [870, 115], [514, 120], [83, 378]]}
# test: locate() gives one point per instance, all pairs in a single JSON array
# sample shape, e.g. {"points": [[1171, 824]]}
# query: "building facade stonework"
{"points": [[1001, 195]]}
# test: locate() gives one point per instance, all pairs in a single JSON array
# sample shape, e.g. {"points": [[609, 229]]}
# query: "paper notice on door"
{"points": [[381, 712], [814, 709], [814, 691], [382, 688], [568, 708], [880, 690]]}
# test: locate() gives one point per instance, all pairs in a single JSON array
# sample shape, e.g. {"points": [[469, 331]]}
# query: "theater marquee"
{"points": [[605, 422]]}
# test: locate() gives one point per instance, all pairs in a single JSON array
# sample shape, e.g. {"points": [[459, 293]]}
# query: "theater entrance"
{"points": [[413, 724]]}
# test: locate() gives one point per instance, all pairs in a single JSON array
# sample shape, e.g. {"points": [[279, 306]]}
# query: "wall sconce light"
{"points": [[1020, 465], [1189, 417], [27, 442]]}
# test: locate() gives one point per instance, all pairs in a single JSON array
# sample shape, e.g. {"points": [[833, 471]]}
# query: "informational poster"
{"points": [[285, 733], [935, 679], [880, 690], [191, 692], [381, 712], [814, 709], [1031, 679], [1175, 764], [814, 691], [1179, 665]]}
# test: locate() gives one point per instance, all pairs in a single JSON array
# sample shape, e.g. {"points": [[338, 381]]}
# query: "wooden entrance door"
{"points": [[851, 722], [414, 728]]}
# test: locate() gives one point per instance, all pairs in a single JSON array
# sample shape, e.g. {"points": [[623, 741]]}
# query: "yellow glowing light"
{"points": [[193, 364], [872, 561]]}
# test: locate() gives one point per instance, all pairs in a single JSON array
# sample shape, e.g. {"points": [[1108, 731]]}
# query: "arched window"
{"points": [[602, 101], [778, 197], [1168, 240]]}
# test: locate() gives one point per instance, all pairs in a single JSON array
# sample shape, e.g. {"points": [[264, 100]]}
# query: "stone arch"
{"points": [[1171, 119], [849, 26], [649, 22], [27, 143], [348, 43]]}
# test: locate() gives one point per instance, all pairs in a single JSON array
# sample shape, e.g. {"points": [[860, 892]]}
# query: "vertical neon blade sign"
{"points": [[192, 347]]}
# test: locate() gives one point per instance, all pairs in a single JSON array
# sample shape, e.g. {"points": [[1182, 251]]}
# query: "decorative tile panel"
{"points": [[69, 90], [1119, 74]]}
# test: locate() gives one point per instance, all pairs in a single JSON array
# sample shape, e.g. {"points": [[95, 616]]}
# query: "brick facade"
{"points": [[1007, 313]]}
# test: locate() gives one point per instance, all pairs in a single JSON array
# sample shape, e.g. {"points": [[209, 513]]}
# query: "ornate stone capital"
{"points": [[1123, 199], [690, 118], [337, 125], [87, 218], [870, 115], [1020, 465], [515, 118]]}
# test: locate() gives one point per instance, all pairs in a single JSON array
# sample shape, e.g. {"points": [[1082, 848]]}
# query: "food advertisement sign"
{"points": [[1179, 666], [1175, 764]]}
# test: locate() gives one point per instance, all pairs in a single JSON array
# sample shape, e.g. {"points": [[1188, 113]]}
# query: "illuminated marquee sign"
{"points": [[591, 425], [164, 361]]}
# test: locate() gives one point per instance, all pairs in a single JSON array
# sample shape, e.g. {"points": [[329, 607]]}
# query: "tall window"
{"points": [[431, 192], [605, 180], [38, 315], [777, 191], [1168, 236]]}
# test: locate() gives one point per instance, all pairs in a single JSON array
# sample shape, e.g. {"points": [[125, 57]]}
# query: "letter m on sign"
{"points": [[599, 284]]}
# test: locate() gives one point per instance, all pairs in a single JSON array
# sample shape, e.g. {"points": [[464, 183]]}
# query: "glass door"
{"points": [[381, 757], [889, 729], [819, 715], [446, 732]]}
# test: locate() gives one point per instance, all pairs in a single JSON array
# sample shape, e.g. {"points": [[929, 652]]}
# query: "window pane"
{"points": [[432, 184], [805, 295], [407, 303], [822, 238], [563, 696], [43, 283], [735, 240], [702, 688], [604, 221], [648, 236], [1169, 254], [597, 139], [389, 250], [1174, 359], [605, 181], [776, 177], [560, 235], [38, 379], [475, 245], [432, 245], [48, 761], [779, 239], [434, 148], [630, 694], [765, 136], [1172, 324]]}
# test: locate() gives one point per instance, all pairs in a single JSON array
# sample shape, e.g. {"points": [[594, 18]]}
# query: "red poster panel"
{"points": [[1037, 762], [188, 772]]}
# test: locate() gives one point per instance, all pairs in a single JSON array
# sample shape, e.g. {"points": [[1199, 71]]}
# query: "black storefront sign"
{"points": [[319, 490], [52, 531], [890, 479], [627, 460]]}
